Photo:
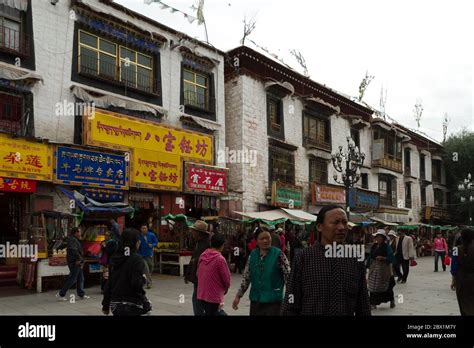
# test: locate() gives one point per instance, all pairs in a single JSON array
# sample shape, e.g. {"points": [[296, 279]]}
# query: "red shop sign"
{"points": [[17, 185], [199, 178]]}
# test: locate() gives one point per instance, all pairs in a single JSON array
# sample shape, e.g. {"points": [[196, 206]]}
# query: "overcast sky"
{"points": [[416, 49]]}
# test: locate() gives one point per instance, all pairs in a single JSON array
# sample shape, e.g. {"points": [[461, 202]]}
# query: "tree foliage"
{"points": [[459, 157]]}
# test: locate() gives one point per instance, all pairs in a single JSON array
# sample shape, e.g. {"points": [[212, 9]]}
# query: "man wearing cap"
{"points": [[201, 235]]}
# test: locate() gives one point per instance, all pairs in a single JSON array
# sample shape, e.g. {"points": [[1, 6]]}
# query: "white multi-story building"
{"points": [[295, 124], [57, 58]]}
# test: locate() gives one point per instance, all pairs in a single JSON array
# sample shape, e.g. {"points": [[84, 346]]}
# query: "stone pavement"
{"points": [[425, 293]]}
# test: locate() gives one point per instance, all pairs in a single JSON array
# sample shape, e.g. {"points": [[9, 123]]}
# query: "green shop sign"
{"points": [[287, 196]]}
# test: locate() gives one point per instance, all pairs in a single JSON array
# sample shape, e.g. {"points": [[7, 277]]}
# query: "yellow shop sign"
{"points": [[111, 130], [20, 158]]}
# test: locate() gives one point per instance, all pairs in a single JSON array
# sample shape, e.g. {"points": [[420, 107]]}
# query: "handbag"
{"points": [[447, 260], [413, 263]]}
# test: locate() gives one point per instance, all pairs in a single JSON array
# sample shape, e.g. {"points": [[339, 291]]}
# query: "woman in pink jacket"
{"points": [[213, 276]]}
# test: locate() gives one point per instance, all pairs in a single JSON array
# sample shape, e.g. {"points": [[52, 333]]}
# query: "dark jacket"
{"points": [[74, 250], [126, 280], [191, 271]]}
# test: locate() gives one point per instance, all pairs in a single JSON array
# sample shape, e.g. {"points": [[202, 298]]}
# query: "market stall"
{"points": [[93, 218], [47, 229]]}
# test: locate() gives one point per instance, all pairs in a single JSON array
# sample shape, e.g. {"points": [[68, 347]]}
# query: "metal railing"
{"points": [[111, 72], [13, 41], [11, 111], [199, 100]]}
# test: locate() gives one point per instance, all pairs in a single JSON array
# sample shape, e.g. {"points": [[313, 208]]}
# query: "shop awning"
{"points": [[383, 221], [105, 100], [300, 214], [21, 5], [210, 125], [177, 217], [88, 205], [14, 73], [277, 216]]}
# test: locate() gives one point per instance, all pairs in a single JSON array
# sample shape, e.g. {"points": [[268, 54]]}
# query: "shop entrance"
{"points": [[13, 207]]}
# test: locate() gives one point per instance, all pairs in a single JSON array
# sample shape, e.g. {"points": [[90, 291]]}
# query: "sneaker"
{"points": [[403, 281], [399, 280], [392, 304], [61, 298], [85, 297]]}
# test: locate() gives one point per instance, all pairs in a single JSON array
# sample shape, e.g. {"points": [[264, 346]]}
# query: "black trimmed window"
{"points": [[11, 111], [196, 89], [12, 33], [388, 190], [106, 60], [439, 197], [316, 130], [318, 170], [355, 135], [407, 156], [408, 194], [423, 168], [365, 181], [275, 124], [436, 170], [392, 144], [16, 116], [281, 165], [423, 195]]}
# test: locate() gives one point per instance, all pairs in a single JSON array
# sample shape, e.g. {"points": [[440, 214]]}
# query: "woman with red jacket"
{"points": [[213, 276]]}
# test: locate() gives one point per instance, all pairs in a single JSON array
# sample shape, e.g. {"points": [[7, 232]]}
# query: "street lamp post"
{"points": [[466, 188], [354, 160]]}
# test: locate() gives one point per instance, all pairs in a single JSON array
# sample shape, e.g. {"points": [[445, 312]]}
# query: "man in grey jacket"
{"points": [[75, 262]]}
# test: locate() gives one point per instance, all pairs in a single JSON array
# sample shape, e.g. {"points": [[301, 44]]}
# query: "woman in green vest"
{"points": [[266, 273]]}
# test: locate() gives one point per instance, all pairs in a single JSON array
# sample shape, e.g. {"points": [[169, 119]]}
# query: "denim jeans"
{"points": [[76, 276], [439, 254]]}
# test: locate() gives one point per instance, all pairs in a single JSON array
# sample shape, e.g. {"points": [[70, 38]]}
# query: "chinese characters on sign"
{"points": [[205, 179], [17, 185], [90, 168], [25, 159], [157, 170], [110, 130]]}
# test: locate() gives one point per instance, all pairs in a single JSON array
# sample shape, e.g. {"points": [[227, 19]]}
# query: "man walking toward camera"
{"points": [[148, 241], [75, 262]]}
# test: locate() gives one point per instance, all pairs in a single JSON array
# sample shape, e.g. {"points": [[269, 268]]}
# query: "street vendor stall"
{"points": [[46, 229], [93, 218], [178, 250]]}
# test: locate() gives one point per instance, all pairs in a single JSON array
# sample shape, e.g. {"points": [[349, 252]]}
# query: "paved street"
{"points": [[426, 293]]}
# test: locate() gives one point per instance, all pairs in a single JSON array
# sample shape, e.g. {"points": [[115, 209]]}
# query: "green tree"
{"points": [[459, 161]]}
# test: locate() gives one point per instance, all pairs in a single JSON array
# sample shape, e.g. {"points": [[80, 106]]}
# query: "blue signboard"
{"points": [[363, 199], [73, 166], [103, 194]]}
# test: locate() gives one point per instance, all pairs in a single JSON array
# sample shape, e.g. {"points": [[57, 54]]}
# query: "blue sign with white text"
{"points": [[90, 168]]}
